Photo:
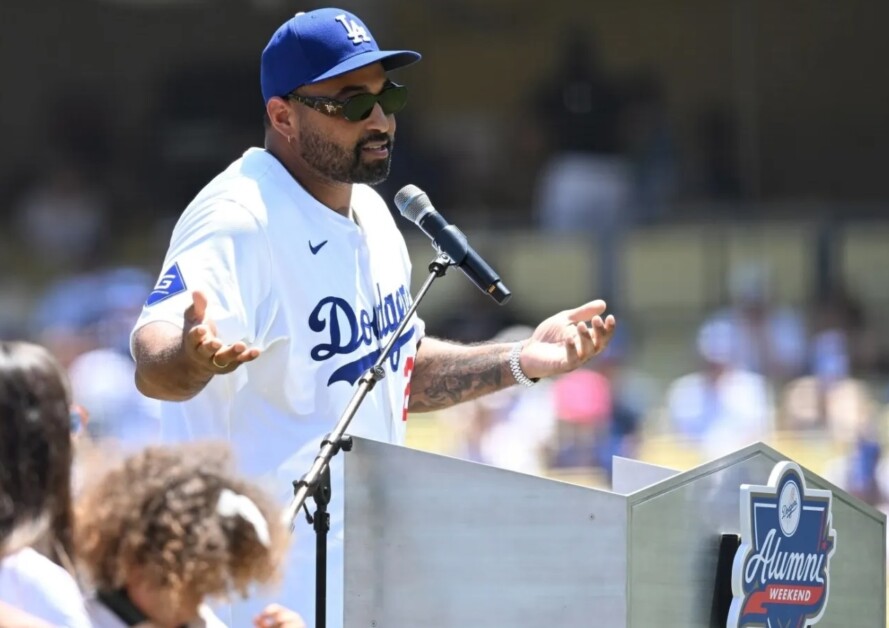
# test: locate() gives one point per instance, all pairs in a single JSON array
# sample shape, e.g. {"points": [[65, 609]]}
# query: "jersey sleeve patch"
{"points": [[170, 283]]}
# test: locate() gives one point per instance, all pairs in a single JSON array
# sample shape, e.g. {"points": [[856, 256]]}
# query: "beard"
{"points": [[337, 163]]}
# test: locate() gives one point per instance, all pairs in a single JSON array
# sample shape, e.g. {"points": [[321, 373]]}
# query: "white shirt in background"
{"points": [[724, 414], [33, 583]]}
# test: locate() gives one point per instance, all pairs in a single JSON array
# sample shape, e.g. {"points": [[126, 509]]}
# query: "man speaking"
{"points": [[286, 275]]}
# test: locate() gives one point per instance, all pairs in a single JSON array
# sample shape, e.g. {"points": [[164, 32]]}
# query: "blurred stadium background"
{"points": [[715, 169]]}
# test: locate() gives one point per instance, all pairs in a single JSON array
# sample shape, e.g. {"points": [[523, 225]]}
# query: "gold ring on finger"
{"points": [[217, 364]]}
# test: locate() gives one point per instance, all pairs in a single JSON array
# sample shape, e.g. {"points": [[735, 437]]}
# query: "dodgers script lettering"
{"points": [[349, 330], [770, 563]]}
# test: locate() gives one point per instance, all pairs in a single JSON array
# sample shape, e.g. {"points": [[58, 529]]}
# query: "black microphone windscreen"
{"points": [[412, 202]]}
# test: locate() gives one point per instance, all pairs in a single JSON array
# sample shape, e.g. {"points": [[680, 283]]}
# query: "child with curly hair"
{"points": [[171, 528]]}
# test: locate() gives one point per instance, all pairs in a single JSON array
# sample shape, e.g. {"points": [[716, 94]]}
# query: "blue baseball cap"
{"points": [[318, 45]]}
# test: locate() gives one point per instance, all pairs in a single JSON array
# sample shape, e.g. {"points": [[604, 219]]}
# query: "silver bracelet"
{"points": [[516, 367]]}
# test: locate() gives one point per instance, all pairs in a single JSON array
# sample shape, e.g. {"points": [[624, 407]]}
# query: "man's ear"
{"points": [[281, 117]]}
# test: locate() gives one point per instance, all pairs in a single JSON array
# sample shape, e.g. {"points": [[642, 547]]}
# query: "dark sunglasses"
{"points": [[392, 99]]}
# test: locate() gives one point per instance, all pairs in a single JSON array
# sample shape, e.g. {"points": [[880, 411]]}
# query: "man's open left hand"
{"points": [[566, 340]]}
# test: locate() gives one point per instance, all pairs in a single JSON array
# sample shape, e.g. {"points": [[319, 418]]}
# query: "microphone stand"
{"points": [[317, 481]]}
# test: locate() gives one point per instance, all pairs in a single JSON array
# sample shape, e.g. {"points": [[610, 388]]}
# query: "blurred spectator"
{"points": [[172, 528], [85, 320], [583, 193], [35, 487], [16, 302], [633, 395], [769, 340], [838, 405], [831, 397], [840, 312], [594, 413], [831, 359], [863, 470], [102, 378], [583, 408], [861, 474], [121, 293], [578, 105], [64, 314], [585, 184], [62, 220], [79, 418], [722, 406], [102, 381], [511, 428], [650, 146]]}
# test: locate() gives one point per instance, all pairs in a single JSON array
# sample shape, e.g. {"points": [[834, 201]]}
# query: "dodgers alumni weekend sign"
{"points": [[780, 575]]}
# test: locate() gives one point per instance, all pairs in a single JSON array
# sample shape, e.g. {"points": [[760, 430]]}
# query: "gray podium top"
{"points": [[436, 542]]}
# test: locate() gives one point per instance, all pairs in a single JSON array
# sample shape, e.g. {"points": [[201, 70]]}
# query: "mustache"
{"points": [[376, 137]]}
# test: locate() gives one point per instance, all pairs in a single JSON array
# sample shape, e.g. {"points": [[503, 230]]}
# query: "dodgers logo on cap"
{"points": [[781, 573], [354, 31], [317, 45]]}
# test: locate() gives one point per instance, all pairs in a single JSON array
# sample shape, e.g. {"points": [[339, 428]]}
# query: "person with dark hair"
{"points": [[35, 487], [286, 275], [172, 527]]}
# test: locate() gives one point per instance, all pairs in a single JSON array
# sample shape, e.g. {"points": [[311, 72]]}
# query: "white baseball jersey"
{"points": [[319, 294]]}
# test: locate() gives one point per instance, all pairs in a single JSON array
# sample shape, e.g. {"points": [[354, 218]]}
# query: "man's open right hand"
{"points": [[204, 348]]}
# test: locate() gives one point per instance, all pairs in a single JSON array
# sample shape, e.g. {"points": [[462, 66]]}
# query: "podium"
{"points": [[437, 542]]}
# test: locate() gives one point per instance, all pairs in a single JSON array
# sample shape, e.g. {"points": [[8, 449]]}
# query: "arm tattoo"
{"points": [[447, 374]]}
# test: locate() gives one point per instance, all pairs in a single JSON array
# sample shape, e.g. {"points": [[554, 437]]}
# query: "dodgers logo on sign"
{"points": [[780, 573]]}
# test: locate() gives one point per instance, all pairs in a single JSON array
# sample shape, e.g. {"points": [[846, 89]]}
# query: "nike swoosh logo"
{"points": [[316, 248]]}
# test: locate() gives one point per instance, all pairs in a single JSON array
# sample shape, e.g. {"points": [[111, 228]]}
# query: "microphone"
{"points": [[414, 205]]}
